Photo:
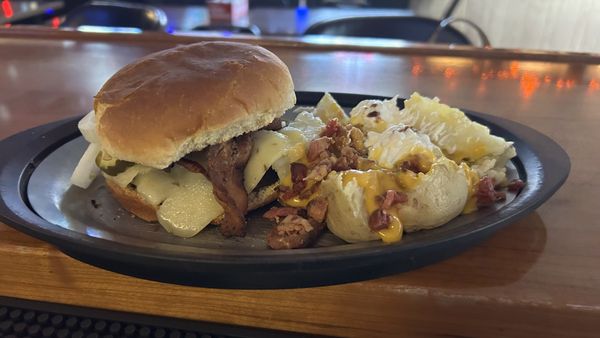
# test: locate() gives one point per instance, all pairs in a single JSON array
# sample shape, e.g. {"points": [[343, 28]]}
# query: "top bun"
{"points": [[170, 103]]}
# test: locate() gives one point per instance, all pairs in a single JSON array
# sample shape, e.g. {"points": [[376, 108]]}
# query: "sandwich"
{"points": [[172, 132]]}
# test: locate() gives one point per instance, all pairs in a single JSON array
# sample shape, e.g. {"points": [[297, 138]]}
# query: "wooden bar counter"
{"points": [[537, 277]]}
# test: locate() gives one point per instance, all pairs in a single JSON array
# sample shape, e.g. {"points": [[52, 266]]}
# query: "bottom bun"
{"points": [[133, 202]]}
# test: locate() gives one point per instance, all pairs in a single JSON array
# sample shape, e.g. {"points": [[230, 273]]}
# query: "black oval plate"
{"points": [[35, 198]]}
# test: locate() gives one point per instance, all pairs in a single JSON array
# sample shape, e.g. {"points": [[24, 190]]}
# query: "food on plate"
{"points": [[173, 132], [193, 135], [386, 171]]}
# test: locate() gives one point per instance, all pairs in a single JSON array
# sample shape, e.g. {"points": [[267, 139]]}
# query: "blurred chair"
{"points": [[252, 29], [117, 15], [409, 28]]}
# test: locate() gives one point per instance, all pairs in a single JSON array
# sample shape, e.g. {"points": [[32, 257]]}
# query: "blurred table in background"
{"points": [[538, 277], [273, 21], [12, 11]]}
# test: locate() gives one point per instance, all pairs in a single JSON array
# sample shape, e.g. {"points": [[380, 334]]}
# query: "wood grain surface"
{"points": [[537, 277]]}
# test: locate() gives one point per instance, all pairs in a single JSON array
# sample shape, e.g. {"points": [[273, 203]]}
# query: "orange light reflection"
{"points": [[514, 69], [416, 70], [449, 72], [529, 84], [593, 84]]}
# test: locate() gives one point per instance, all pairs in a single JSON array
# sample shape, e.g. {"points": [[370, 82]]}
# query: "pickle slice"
{"points": [[110, 165]]}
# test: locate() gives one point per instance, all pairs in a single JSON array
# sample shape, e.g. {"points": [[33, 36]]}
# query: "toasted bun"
{"points": [[133, 202], [168, 104]]}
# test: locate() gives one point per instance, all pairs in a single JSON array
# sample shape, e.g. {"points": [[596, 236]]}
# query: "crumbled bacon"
{"points": [[379, 220], [276, 212], [486, 194], [318, 146], [515, 185], [319, 171], [299, 172], [294, 232], [357, 141], [347, 160], [317, 209], [392, 197], [285, 193], [331, 128]]}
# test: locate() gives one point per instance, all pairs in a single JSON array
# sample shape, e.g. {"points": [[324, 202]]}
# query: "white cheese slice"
{"points": [[268, 147], [155, 186], [189, 208]]}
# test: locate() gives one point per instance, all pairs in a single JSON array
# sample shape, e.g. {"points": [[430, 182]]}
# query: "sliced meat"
{"points": [[294, 232], [276, 124], [317, 209], [515, 185], [192, 166], [277, 212], [392, 197], [226, 162], [379, 220], [317, 146]]}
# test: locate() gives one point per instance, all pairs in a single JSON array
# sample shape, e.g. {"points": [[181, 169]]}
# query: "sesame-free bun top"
{"points": [[170, 103]]}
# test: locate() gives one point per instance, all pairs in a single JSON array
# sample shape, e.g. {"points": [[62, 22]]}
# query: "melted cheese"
{"points": [[374, 184], [155, 186], [472, 181]]}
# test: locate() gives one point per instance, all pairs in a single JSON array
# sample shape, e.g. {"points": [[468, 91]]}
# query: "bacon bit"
{"points": [[317, 209], [317, 146], [486, 195], [515, 185], [275, 213], [331, 128], [392, 197], [299, 186], [309, 192], [192, 166], [299, 172], [320, 171], [294, 232], [379, 220], [357, 141], [285, 193]]}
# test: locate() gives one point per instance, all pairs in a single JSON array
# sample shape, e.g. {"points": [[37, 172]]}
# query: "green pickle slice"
{"points": [[110, 165]]}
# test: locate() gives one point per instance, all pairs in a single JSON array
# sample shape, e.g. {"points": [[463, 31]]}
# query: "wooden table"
{"points": [[537, 277]]}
